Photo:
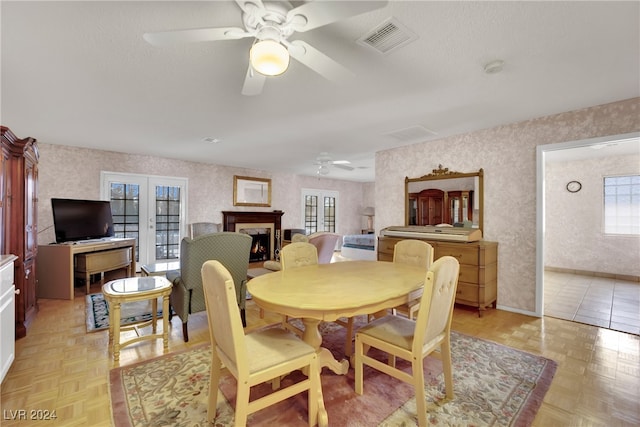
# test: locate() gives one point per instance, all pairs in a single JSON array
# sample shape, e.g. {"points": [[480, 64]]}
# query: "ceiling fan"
{"points": [[271, 24], [324, 161]]}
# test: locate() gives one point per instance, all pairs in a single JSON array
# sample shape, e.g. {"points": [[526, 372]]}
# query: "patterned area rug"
{"points": [[494, 385], [97, 312]]}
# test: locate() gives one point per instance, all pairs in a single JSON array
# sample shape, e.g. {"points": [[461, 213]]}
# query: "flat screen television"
{"points": [[75, 220]]}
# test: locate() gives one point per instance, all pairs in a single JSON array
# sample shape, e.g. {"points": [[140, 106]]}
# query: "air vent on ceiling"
{"points": [[411, 133], [388, 36]]}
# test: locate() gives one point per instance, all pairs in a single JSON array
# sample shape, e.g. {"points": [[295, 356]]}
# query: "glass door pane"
{"points": [[150, 210]]}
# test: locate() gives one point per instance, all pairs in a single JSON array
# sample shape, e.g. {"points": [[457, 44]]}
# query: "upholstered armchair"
{"points": [[199, 228], [324, 242], [187, 295], [326, 245]]}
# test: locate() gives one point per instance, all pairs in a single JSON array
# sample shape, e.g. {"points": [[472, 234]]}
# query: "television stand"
{"points": [[59, 264]]}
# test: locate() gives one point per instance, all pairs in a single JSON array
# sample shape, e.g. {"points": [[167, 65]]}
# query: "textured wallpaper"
{"points": [[574, 237], [508, 156], [71, 172]]}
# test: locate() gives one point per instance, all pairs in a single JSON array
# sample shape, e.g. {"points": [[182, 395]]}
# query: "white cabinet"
{"points": [[7, 314]]}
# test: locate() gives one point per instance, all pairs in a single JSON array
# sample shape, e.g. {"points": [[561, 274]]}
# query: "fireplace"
{"points": [[265, 228], [261, 243]]}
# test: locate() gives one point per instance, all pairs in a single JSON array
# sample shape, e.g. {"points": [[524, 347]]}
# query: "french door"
{"points": [[151, 209], [319, 210]]}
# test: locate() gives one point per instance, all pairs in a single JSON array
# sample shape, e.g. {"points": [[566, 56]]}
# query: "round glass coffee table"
{"points": [[132, 289]]}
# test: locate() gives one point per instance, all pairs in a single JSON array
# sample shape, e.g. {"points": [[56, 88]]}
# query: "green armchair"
{"points": [[187, 295]]}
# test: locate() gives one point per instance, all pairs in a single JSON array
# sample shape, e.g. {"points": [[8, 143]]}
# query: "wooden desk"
{"points": [[57, 264], [326, 292]]}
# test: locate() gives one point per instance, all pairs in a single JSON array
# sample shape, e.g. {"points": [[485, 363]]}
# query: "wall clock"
{"points": [[574, 186]]}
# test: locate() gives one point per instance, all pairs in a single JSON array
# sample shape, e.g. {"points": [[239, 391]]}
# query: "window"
{"points": [[319, 210], [622, 205]]}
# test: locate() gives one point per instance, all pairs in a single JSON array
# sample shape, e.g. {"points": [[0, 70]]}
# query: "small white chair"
{"points": [[255, 358], [412, 252], [414, 340]]}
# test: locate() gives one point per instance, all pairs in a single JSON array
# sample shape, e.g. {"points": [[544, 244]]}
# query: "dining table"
{"points": [[326, 292]]}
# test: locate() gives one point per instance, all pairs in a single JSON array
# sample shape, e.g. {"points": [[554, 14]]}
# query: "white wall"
{"points": [[574, 237], [508, 156], [71, 172]]}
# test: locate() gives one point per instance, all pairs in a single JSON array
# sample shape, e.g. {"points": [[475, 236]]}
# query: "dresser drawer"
{"points": [[6, 277], [385, 257], [103, 261], [468, 273], [467, 293], [474, 295], [464, 254], [386, 245]]}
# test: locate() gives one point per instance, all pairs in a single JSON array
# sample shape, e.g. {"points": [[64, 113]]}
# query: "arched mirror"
{"points": [[445, 197]]}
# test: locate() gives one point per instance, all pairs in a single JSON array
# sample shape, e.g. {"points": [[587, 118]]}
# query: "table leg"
{"points": [[312, 336], [165, 322], [154, 314], [115, 321]]}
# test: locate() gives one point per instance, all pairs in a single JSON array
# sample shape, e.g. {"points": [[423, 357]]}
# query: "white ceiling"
{"points": [[80, 74]]}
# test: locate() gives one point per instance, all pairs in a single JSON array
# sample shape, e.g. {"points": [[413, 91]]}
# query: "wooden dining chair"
{"points": [[413, 340], [297, 254], [300, 254], [255, 358], [412, 252]]}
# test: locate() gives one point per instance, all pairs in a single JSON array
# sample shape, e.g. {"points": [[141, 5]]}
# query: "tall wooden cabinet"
{"points": [[18, 227]]}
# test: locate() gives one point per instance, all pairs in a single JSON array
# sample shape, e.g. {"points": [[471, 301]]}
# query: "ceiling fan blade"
{"points": [[167, 38], [318, 13], [248, 5], [342, 166], [253, 82], [318, 61]]}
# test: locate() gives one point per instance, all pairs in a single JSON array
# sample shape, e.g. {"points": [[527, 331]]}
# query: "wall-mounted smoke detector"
{"points": [[388, 36]]}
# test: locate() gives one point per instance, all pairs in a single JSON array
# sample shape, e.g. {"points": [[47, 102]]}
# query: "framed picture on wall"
{"points": [[248, 191]]}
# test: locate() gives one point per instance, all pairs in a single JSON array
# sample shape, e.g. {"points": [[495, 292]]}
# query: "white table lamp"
{"points": [[369, 212]]}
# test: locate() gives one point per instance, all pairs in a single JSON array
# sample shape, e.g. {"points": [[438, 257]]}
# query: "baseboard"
{"points": [[628, 278]]}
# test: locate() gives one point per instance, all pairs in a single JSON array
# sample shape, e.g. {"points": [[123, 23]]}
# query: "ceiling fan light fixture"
{"points": [[269, 57], [323, 170]]}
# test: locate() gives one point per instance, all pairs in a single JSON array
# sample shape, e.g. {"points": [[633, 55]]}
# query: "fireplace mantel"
{"points": [[231, 218]]}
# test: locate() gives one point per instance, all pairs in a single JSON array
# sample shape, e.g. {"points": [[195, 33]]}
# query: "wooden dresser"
{"points": [[478, 283]]}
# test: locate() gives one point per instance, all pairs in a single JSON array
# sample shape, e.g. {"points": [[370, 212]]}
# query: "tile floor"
{"points": [[604, 302]]}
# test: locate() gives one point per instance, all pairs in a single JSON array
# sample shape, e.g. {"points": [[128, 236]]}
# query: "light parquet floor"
{"points": [[59, 367]]}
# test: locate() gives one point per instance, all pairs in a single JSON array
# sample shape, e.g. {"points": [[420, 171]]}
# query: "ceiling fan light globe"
{"points": [[269, 57]]}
